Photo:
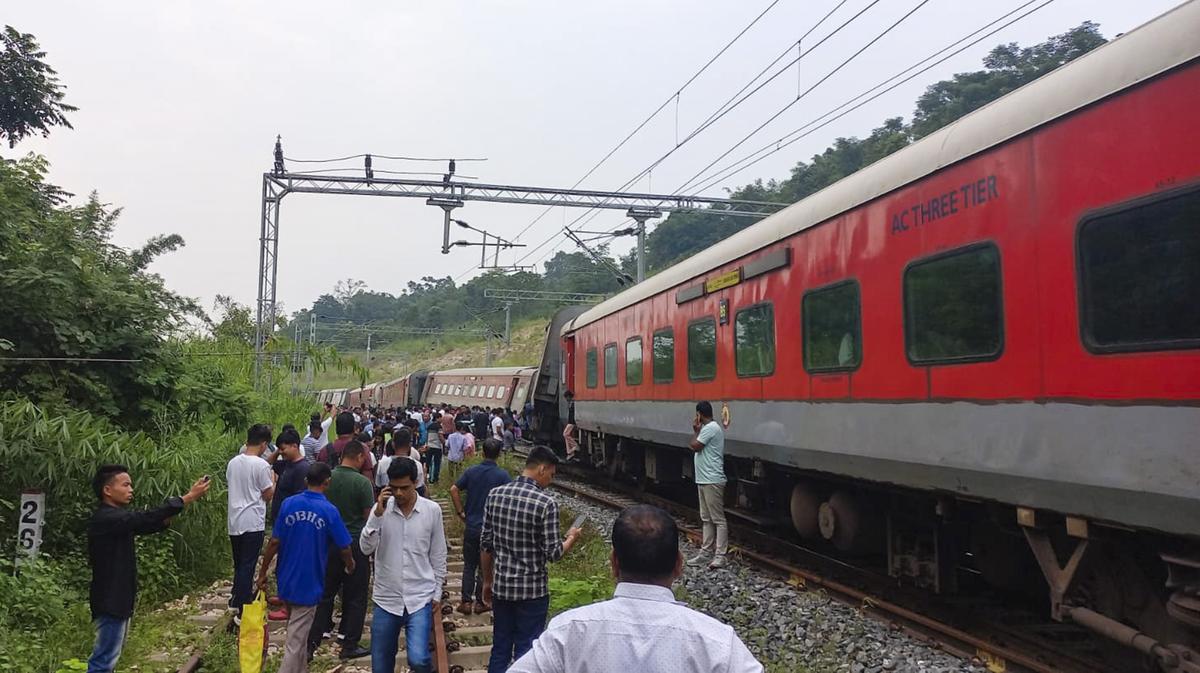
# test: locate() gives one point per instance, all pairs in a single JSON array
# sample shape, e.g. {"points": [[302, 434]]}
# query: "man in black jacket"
{"points": [[112, 558]]}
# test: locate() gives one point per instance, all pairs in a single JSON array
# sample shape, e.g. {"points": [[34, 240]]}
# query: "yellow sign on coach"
{"points": [[723, 281]]}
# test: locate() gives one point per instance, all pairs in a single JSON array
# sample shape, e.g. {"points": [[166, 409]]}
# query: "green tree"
{"points": [[85, 322], [1006, 68], [32, 99]]}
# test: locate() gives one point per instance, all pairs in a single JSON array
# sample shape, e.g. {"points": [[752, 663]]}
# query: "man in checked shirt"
{"points": [[520, 535]]}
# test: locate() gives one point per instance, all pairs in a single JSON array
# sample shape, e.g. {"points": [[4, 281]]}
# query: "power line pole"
{"points": [[640, 215], [508, 323], [312, 342], [296, 357]]}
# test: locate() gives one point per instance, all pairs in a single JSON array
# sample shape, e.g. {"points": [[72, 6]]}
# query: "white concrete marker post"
{"points": [[30, 517]]}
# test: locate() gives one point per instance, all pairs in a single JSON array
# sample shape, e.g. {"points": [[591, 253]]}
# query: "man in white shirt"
{"points": [[497, 425], [251, 484], [401, 447], [330, 412], [311, 443], [642, 628], [406, 535]]}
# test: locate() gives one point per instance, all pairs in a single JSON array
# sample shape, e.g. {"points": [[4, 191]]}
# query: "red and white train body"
{"points": [[995, 331]]}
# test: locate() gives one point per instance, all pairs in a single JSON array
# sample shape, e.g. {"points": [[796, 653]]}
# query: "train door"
{"points": [[567, 375]]}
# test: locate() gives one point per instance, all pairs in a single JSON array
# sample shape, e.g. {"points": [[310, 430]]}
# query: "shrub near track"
{"points": [[44, 616]]}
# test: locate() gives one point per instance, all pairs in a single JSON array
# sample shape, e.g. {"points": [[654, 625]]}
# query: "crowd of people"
{"points": [[348, 515]]}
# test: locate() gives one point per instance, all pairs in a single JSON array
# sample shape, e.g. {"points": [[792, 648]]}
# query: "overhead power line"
{"points": [[673, 97], [863, 98], [660, 108], [724, 109], [818, 83], [857, 101]]}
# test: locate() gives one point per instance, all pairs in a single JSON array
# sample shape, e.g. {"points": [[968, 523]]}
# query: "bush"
{"points": [[44, 614]]}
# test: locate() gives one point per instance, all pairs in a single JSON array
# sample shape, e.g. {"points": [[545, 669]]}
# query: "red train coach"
{"points": [[489, 387], [979, 349]]}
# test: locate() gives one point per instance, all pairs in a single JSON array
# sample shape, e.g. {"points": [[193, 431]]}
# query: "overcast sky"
{"points": [[180, 103]]}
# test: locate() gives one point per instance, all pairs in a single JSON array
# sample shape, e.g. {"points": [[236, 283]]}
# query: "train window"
{"points": [[952, 306], [633, 361], [754, 341], [519, 398], [1140, 275], [832, 318], [610, 365], [662, 346], [491, 391], [702, 350], [500, 392], [591, 368]]}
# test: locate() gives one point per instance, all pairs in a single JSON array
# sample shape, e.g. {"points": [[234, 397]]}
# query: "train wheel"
{"points": [[847, 522], [805, 508]]}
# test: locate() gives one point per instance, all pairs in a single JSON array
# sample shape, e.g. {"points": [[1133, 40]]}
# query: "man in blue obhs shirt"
{"points": [[477, 481], [305, 528], [642, 628]]}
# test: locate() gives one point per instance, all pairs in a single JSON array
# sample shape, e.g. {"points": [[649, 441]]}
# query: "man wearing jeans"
{"points": [[353, 496], [251, 484], [519, 536], [478, 481], [307, 525], [708, 443], [407, 537], [113, 559]]}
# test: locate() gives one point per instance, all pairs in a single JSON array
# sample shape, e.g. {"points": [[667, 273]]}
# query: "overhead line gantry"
{"points": [[447, 194]]}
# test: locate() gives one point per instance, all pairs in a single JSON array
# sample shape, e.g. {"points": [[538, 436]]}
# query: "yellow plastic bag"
{"points": [[252, 638]]}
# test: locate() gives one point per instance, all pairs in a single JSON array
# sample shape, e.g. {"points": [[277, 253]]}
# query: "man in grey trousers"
{"points": [[708, 443]]}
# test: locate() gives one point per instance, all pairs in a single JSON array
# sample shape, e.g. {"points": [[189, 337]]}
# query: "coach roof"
{"points": [[1152, 49], [485, 371]]}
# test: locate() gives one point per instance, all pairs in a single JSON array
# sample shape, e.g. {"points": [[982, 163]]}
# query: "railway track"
{"points": [[979, 629]]}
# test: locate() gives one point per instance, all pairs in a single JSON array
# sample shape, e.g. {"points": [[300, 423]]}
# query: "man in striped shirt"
{"points": [[520, 536]]}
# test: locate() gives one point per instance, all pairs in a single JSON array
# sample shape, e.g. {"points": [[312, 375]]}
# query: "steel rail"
{"points": [[923, 628]]}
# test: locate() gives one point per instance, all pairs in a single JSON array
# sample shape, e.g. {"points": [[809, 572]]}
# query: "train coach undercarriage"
{"points": [[1140, 590]]}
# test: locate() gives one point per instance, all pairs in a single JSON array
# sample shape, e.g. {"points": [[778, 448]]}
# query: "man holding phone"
{"points": [[113, 558], [708, 443], [407, 537], [519, 537]]}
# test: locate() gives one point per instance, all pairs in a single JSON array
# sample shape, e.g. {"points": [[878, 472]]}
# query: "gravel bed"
{"points": [[786, 628]]}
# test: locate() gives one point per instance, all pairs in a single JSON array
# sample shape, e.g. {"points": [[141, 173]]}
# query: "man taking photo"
{"points": [[112, 558]]}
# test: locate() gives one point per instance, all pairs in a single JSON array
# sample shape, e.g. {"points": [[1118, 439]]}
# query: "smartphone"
{"points": [[578, 522]]}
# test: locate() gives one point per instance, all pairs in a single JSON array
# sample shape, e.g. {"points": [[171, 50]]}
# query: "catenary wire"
{"points": [[793, 101], [784, 141], [724, 109], [648, 119], [818, 83], [866, 96], [639, 127]]}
